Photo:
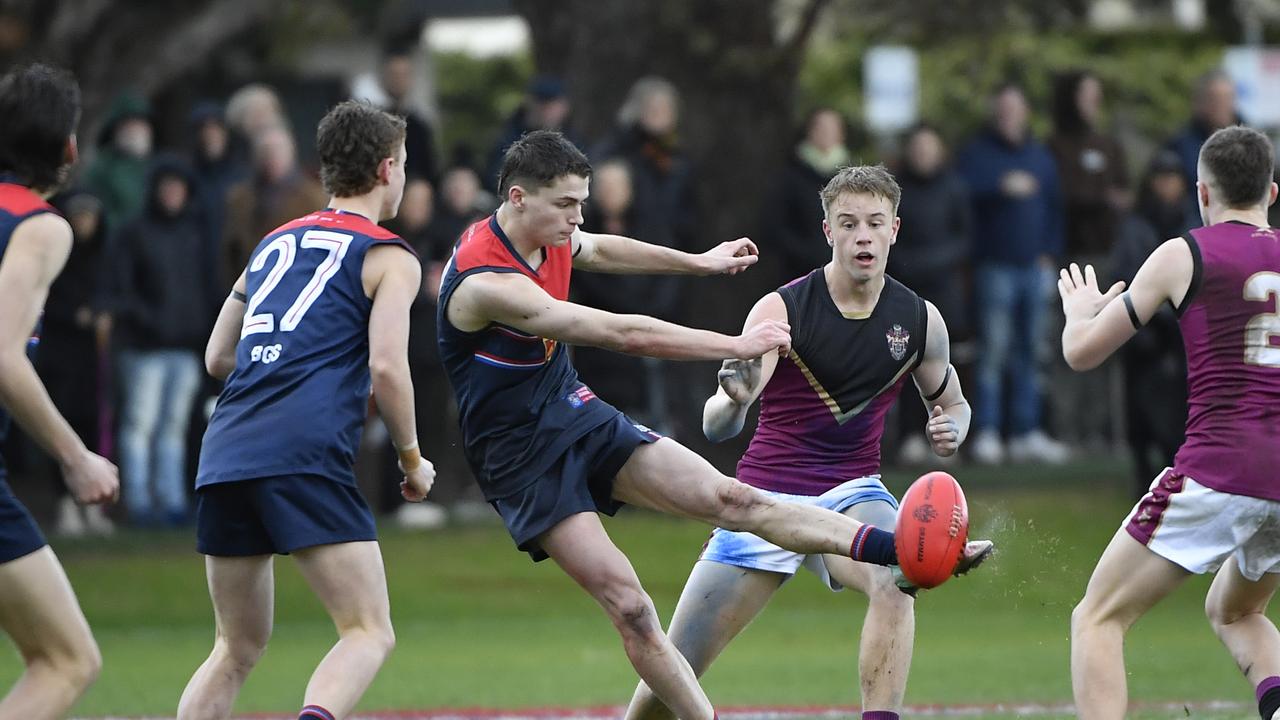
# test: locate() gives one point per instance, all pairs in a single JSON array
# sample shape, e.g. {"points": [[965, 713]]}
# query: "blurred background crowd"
{"points": [[1024, 135]]}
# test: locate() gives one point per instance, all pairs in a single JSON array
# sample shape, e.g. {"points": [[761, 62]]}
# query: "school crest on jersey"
{"points": [[898, 339]]}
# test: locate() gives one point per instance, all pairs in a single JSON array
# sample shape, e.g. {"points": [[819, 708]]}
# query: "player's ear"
{"points": [[384, 170], [897, 223], [515, 196], [1202, 193], [71, 151], [1271, 194], [826, 231]]}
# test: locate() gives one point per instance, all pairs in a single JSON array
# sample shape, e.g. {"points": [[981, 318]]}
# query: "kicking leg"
{"points": [[889, 628], [350, 580], [717, 603], [670, 478], [580, 545], [1127, 582], [39, 611], [1237, 608], [242, 590]]}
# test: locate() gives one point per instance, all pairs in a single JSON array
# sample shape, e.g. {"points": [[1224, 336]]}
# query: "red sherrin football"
{"points": [[932, 528]]}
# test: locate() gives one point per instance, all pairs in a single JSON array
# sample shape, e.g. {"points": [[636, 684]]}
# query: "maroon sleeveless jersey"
{"points": [[1230, 324]]}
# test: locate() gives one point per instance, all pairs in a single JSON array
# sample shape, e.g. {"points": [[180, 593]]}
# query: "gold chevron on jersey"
{"points": [[843, 416]]}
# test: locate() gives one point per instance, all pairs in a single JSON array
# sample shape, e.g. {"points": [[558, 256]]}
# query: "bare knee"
{"points": [[243, 648], [884, 594], [631, 611], [1089, 615], [376, 632], [1222, 614], [78, 666], [737, 504]]}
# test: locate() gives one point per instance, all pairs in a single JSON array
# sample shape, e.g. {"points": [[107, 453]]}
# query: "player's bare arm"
{"points": [[1099, 323], [512, 299], [742, 381], [624, 255], [220, 352], [392, 277], [36, 253], [939, 386]]}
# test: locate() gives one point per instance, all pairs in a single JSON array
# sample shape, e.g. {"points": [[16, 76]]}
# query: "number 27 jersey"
{"points": [[297, 400]]}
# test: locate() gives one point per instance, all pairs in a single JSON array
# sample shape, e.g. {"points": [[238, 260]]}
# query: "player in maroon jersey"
{"points": [[1217, 509]]}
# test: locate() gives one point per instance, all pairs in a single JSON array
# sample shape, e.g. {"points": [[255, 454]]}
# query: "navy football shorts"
{"points": [[581, 480], [279, 515], [19, 534]]}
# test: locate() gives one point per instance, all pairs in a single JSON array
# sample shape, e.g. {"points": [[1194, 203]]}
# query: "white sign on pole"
{"points": [[891, 88], [1256, 73]]}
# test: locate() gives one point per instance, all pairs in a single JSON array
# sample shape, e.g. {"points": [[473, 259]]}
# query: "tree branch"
{"points": [[795, 45]]}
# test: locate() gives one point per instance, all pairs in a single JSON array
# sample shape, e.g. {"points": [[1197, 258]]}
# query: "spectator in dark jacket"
{"points": [[1154, 362], [793, 222], [1162, 198], [1091, 166], [638, 386], [1017, 216], [218, 165], [931, 255], [162, 320], [647, 140], [118, 174], [71, 358], [1213, 107], [1096, 199], [419, 137], [545, 107]]}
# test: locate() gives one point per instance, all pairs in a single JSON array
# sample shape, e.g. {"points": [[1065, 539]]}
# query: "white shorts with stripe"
{"points": [[742, 549], [1198, 527]]}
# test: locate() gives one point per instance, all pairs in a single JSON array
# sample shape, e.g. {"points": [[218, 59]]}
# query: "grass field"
{"points": [[480, 626]]}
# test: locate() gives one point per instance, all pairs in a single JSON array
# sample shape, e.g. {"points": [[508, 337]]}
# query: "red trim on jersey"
{"points": [[20, 200], [341, 221], [482, 247]]}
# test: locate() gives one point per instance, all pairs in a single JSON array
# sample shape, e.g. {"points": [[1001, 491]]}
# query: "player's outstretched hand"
{"points": [[418, 481], [1081, 297], [943, 432], [765, 337], [739, 379], [729, 258], [92, 479]]}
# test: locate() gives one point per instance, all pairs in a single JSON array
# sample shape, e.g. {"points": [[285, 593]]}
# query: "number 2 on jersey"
{"points": [[285, 249], [1258, 350]]}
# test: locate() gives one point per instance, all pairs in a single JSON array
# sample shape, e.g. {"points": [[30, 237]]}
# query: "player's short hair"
{"points": [[861, 179], [39, 109], [353, 138], [538, 159], [1239, 161]]}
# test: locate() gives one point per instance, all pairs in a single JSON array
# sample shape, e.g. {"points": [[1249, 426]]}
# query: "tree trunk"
{"points": [[736, 79]]}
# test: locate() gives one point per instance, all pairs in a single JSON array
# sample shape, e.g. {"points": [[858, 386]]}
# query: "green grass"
{"points": [[479, 625]]}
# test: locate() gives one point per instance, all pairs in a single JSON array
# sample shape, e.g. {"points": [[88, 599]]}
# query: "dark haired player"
{"points": [[548, 454], [318, 319], [39, 109], [1218, 508]]}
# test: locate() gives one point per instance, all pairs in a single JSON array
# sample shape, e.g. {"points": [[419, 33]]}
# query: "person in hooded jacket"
{"points": [[163, 289], [118, 174]]}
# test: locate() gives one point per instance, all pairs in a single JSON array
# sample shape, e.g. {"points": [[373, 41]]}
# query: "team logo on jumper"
{"points": [[898, 339], [580, 397]]}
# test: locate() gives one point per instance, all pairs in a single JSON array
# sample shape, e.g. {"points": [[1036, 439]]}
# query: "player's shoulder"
{"points": [[42, 228], [480, 246], [769, 307], [336, 221], [19, 200]]}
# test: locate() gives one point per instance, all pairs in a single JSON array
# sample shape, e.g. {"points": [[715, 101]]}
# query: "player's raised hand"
{"points": [[739, 379], [92, 479], [729, 258], [943, 432], [764, 337], [418, 481], [1081, 297]]}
